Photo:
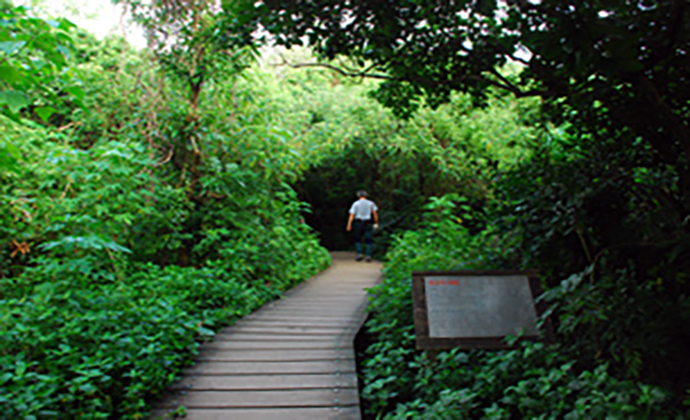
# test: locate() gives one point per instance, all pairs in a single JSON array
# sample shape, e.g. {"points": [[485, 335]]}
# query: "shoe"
{"points": [[360, 257], [368, 258]]}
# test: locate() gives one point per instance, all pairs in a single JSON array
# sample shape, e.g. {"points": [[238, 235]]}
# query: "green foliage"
{"points": [[530, 381], [602, 224], [114, 263], [615, 66], [602, 221], [351, 142], [195, 41], [33, 75], [441, 241], [148, 198], [107, 350], [600, 206], [77, 352], [34, 54]]}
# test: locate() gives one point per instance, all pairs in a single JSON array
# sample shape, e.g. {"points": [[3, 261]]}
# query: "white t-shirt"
{"points": [[363, 208]]}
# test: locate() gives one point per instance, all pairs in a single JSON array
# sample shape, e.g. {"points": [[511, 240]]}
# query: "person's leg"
{"points": [[369, 238], [359, 233]]}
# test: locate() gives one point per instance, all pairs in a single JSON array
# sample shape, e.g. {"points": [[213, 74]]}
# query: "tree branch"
{"points": [[412, 79], [344, 72]]}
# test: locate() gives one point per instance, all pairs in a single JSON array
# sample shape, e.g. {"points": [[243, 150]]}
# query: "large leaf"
{"points": [[14, 100], [45, 112], [9, 156], [10, 74], [76, 91], [8, 47]]}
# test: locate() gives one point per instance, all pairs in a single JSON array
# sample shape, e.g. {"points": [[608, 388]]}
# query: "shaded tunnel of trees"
{"points": [[150, 197], [399, 184]]}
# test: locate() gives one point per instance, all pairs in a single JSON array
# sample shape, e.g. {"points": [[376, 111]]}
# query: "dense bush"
{"points": [[75, 349], [87, 328], [121, 248], [530, 381]]}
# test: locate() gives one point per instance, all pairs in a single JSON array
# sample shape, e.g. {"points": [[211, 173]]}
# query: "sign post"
{"points": [[476, 309]]}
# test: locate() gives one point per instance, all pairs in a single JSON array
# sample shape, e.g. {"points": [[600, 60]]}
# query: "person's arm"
{"points": [[349, 222], [376, 219]]}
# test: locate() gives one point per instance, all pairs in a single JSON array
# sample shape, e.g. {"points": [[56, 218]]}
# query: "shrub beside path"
{"points": [[291, 359]]}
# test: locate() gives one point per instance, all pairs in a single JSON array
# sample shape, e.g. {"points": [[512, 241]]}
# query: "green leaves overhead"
{"points": [[33, 60], [195, 41], [8, 47], [422, 48], [628, 55]]}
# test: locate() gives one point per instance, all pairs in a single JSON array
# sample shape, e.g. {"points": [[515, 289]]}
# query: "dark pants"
{"points": [[363, 232]]}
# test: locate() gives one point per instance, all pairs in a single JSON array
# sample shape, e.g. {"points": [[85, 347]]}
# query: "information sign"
{"points": [[475, 309]]}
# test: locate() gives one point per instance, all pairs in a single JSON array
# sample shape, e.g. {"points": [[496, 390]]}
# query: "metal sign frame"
{"points": [[421, 314]]}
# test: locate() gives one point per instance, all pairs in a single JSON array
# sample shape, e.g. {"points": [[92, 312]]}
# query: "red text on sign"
{"points": [[444, 282]]}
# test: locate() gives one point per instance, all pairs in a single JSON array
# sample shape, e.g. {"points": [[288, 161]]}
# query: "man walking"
{"points": [[364, 214]]}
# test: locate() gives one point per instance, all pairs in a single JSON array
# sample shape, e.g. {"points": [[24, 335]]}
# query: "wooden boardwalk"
{"points": [[291, 359]]}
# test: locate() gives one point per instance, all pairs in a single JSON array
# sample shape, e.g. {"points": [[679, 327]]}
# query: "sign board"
{"points": [[475, 309]]}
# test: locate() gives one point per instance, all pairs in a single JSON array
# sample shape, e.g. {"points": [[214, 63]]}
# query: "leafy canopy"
{"points": [[619, 66]]}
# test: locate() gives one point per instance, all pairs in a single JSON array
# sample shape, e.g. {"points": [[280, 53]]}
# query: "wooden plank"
{"points": [[329, 291], [323, 317], [285, 329], [316, 301], [256, 358], [243, 382], [316, 413], [269, 355], [339, 295], [333, 311], [269, 368], [279, 345], [273, 337], [304, 311], [326, 316], [296, 322], [337, 397], [315, 310]]}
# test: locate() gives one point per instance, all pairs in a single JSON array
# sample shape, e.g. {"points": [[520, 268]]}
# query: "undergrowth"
{"points": [[530, 380]]}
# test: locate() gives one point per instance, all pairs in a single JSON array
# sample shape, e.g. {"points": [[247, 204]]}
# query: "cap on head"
{"points": [[361, 193]]}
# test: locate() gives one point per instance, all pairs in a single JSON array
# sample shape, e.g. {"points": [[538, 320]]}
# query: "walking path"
{"points": [[291, 359]]}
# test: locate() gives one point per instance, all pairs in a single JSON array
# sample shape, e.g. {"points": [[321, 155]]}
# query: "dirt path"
{"points": [[291, 359]]}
